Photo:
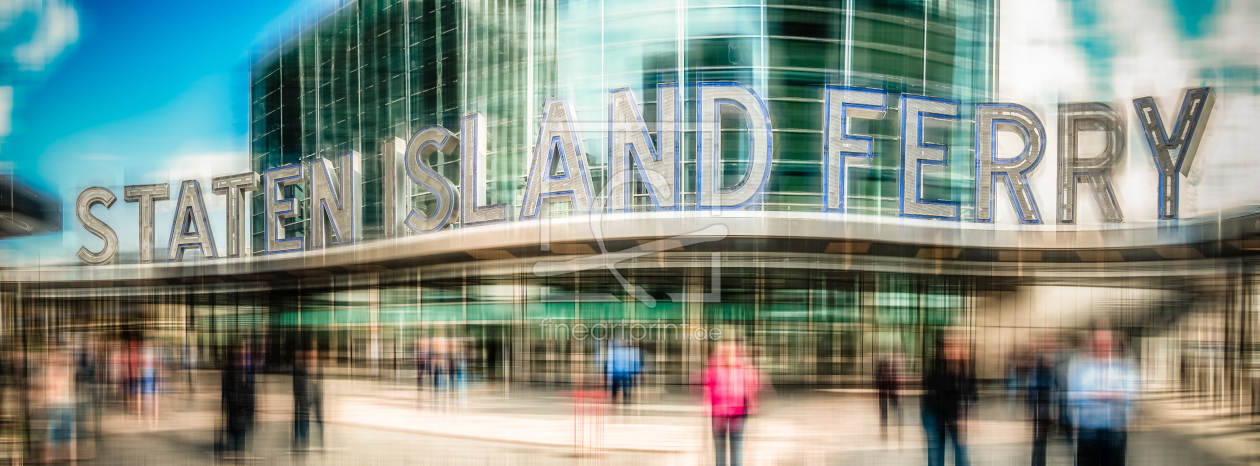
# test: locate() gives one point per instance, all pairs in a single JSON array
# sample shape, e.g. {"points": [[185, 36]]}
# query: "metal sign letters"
{"points": [[332, 196]]}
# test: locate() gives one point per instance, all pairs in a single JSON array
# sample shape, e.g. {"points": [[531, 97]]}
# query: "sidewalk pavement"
{"points": [[807, 426], [1208, 425], [660, 422]]}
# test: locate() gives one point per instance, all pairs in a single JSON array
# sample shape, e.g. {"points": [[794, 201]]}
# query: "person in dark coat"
{"points": [[887, 386], [949, 391], [1041, 383], [302, 401], [306, 398], [315, 389], [422, 362], [238, 400]]}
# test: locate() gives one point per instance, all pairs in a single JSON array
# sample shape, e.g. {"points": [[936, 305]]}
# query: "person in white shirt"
{"points": [[1102, 384]]}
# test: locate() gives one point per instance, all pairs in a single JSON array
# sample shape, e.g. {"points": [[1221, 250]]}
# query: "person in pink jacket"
{"points": [[730, 394]]}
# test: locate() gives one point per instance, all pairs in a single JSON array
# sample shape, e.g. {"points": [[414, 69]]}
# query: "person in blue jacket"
{"points": [[622, 366]]}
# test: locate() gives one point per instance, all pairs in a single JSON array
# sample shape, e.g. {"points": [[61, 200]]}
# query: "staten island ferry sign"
{"points": [[559, 168]]}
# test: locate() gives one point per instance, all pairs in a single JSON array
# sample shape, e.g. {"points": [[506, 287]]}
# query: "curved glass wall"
{"points": [[372, 69], [785, 50], [344, 79]]}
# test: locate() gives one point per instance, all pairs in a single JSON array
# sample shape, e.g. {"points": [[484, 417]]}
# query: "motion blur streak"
{"points": [[677, 232]]}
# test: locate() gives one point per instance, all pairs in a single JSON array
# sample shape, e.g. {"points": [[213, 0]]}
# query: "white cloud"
{"points": [[199, 166], [58, 28]]}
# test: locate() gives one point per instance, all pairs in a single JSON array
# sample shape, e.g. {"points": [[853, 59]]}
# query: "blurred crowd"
{"points": [[1082, 395], [54, 398]]}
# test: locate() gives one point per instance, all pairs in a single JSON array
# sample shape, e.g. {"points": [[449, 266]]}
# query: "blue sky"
{"points": [[149, 88]]}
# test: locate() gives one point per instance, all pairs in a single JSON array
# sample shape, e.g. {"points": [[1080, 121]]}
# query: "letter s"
{"points": [[83, 210]]}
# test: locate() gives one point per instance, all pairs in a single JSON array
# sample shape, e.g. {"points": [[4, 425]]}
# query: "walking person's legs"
{"points": [[737, 440], [614, 385], [60, 433], [82, 420], [894, 406], [1087, 451], [932, 433], [236, 435], [318, 411], [1111, 446], [1103, 448], [301, 429], [960, 443], [97, 402], [1119, 446], [883, 411], [1041, 435], [720, 427]]}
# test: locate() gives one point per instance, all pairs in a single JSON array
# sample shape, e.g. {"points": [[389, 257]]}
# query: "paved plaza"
{"points": [[378, 422]]}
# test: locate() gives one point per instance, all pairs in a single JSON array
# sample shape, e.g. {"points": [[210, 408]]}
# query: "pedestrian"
{"points": [[87, 396], [302, 400], [950, 390], [887, 387], [1040, 384], [422, 362], [460, 363], [188, 362], [133, 373], [147, 394], [58, 391], [438, 370], [731, 387], [1059, 393], [228, 403], [622, 367], [238, 400], [315, 387], [493, 347], [120, 384], [1101, 386]]}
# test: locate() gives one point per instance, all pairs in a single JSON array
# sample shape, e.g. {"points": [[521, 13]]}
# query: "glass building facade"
{"points": [[349, 77], [368, 70]]}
